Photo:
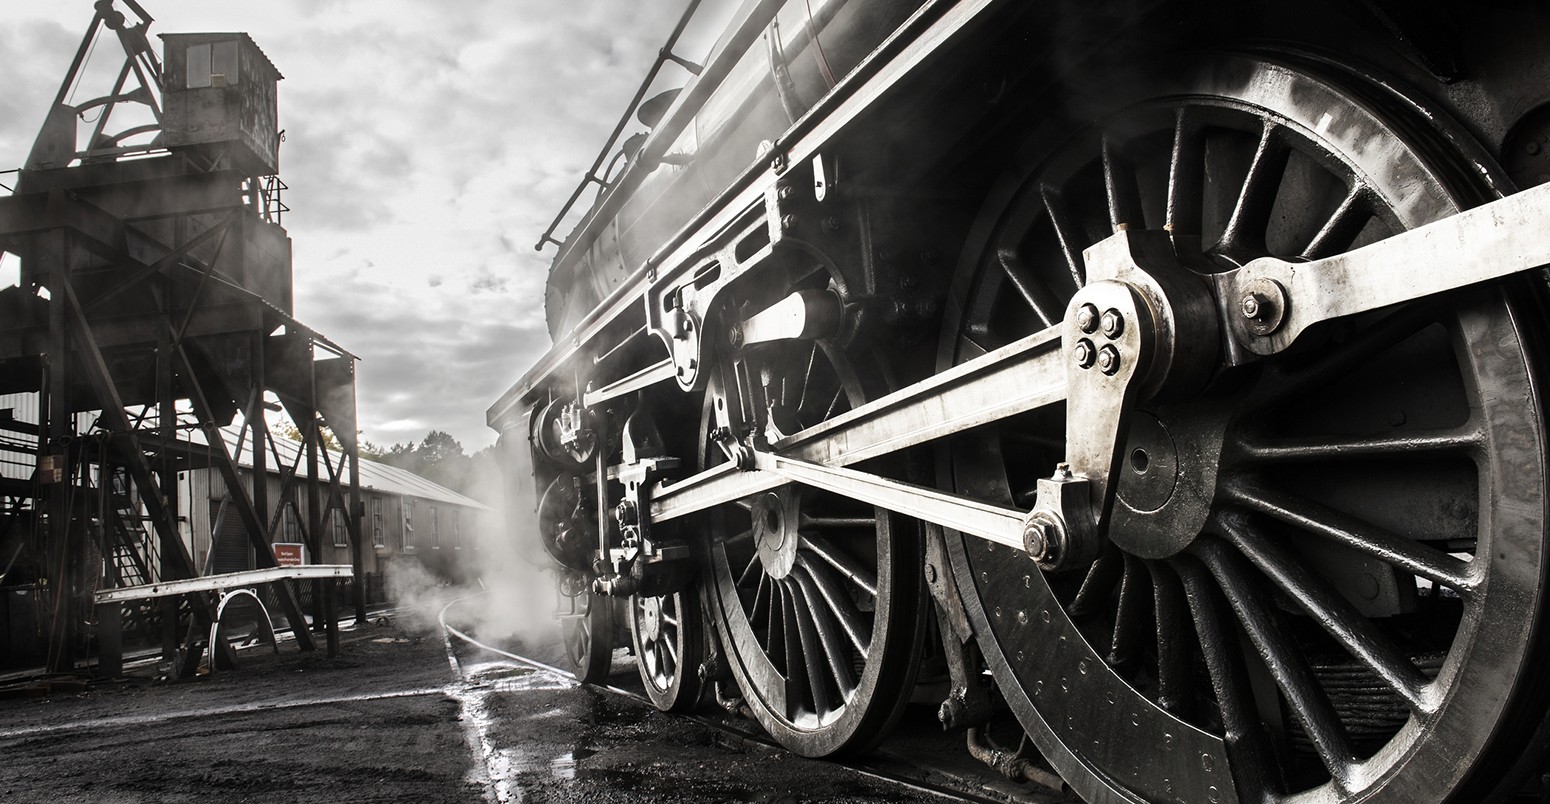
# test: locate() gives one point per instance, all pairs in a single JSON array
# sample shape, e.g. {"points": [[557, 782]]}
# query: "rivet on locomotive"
{"points": [[1177, 363]]}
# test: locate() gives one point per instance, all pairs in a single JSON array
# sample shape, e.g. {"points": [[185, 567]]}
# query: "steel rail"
{"points": [[718, 724]]}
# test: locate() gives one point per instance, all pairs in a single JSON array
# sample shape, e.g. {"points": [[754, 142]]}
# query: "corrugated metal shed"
{"points": [[374, 476]]}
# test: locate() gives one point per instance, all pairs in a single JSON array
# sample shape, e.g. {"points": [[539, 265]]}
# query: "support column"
{"points": [[166, 412], [61, 430]]}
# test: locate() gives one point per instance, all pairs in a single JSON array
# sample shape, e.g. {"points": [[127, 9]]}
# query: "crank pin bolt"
{"points": [[1108, 359], [1113, 323], [1084, 353], [1087, 318]]}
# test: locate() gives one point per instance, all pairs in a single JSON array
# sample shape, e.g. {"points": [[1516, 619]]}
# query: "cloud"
{"points": [[426, 149]]}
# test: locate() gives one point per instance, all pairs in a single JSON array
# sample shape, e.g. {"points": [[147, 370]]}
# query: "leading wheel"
{"points": [[1354, 620], [817, 598]]}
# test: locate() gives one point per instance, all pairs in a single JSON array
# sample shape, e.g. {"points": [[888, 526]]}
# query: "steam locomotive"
{"points": [[1171, 371]]}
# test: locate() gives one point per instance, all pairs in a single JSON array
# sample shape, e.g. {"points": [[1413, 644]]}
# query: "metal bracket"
{"points": [[639, 555]]}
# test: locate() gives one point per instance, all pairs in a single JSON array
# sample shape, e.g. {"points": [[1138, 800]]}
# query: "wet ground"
{"points": [[396, 718]]}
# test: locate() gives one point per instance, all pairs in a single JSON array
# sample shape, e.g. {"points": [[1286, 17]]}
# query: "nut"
{"points": [[1108, 359], [1087, 318], [1084, 353], [1113, 323], [1043, 535]]}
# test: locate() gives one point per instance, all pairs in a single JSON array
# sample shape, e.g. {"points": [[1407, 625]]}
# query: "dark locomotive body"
{"points": [[817, 380]]}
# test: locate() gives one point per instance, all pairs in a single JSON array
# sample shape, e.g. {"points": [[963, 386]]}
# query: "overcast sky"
{"points": [[427, 146]]}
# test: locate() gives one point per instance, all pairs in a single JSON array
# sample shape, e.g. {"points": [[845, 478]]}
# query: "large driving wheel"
{"points": [[817, 598], [1325, 572], [669, 637]]}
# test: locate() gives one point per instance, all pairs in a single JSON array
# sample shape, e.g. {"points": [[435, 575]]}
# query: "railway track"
{"points": [[925, 766]]}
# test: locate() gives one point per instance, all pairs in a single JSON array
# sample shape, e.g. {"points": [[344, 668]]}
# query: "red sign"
{"points": [[289, 554]]}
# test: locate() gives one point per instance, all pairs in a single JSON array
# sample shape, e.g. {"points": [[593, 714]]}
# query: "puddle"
{"points": [[563, 767]]}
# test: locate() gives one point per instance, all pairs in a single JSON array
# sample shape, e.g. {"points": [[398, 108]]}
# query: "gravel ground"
{"points": [[374, 724], [389, 720]]}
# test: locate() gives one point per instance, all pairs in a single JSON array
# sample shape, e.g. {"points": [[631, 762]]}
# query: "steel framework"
{"points": [[153, 309]]}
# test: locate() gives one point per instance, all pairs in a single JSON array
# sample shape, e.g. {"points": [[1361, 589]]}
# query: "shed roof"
{"points": [[374, 476]]}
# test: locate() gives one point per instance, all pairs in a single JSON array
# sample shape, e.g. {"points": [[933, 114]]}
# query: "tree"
{"points": [[291, 432], [442, 460]]}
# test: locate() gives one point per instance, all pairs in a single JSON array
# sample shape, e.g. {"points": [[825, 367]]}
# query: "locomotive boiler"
{"points": [[1178, 364]]}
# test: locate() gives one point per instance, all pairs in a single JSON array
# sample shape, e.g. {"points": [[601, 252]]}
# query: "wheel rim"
{"points": [[816, 597], [1397, 695], [668, 634], [587, 632]]}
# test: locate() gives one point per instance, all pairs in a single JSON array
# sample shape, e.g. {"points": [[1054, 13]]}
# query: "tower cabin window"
{"points": [[212, 64]]}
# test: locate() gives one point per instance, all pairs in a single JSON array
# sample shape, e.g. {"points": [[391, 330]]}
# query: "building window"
{"points": [[336, 526], [292, 523], [408, 540], [377, 538], [435, 530], [457, 529]]}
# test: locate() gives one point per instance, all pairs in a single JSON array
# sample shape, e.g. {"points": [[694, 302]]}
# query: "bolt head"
{"points": [[1264, 306], [1113, 323], [1084, 353], [1036, 540], [1087, 318], [1108, 360]]}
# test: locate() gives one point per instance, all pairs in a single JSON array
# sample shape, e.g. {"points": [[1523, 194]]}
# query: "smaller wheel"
{"points": [[588, 633], [669, 637]]}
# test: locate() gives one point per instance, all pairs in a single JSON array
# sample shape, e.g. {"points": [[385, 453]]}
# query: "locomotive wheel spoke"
{"points": [[1129, 624], [1327, 608], [1186, 174], [848, 568], [1406, 554], [828, 631], [1174, 692], [1067, 238], [1247, 742], [1343, 226], [838, 603], [1251, 217], [1301, 691], [1327, 560], [1467, 439]]}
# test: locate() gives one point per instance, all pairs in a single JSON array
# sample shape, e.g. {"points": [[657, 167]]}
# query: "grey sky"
{"points": [[427, 146]]}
